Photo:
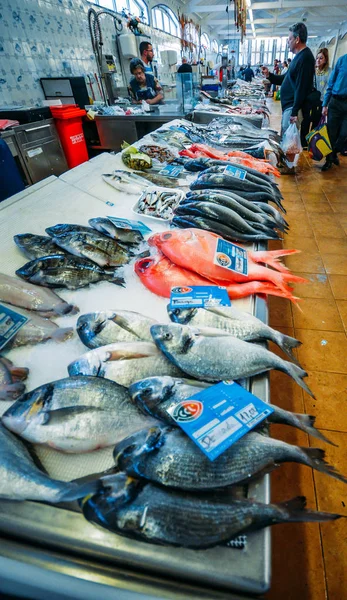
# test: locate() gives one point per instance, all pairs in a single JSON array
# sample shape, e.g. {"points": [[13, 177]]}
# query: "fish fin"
{"points": [[187, 342], [62, 334], [287, 343], [296, 512], [113, 278], [306, 423], [315, 459], [12, 391], [76, 490], [124, 354], [124, 324], [272, 258], [19, 373], [297, 373], [59, 415]]}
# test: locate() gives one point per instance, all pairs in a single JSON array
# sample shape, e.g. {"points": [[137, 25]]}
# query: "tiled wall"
{"points": [[42, 38]]}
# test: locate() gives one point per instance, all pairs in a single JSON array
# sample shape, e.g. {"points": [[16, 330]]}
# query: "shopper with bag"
{"points": [[297, 83], [312, 107], [335, 106]]}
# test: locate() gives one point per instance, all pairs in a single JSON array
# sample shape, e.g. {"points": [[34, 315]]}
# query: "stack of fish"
{"points": [[187, 258], [158, 203], [76, 255], [234, 156], [135, 183]]}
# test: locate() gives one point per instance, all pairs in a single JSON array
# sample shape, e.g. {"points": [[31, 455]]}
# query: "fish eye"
{"points": [[168, 336], [144, 264], [167, 236], [177, 312], [128, 450]]}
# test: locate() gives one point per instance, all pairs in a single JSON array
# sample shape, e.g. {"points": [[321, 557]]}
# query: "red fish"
{"points": [[194, 249], [160, 275]]}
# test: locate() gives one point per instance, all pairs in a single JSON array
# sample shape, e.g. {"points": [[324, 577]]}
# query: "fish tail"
{"points": [[114, 278], [69, 309], [306, 423], [80, 488], [314, 457], [287, 344], [297, 373], [290, 278], [272, 258], [62, 334], [295, 512]]}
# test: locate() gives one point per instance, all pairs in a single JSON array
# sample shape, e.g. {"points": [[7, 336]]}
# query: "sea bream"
{"points": [[94, 246], [155, 395], [124, 362], [21, 479], [126, 235], [111, 326], [158, 516], [31, 297], [214, 355], [167, 456], [240, 324], [75, 414], [35, 246]]}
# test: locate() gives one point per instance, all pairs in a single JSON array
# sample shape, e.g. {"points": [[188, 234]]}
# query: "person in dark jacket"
{"points": [[248, 73], [297, 83], [184, 67], [143, 86], [335, 106]]}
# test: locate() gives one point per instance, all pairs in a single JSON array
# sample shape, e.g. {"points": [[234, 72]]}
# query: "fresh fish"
{"points": [[121, 234], [71, 272], [22, 480], [167, 456], [124, 181], [160, 275], [17, 373], [31, 297], [154, 395], [214, 355], [94, 246], [152, 514], [159, 203], [240, 324], [37, 330], [75, 414], [9, 390], [161, 180], [109, 326], [124, 362], [35, 246], [62, 228]]}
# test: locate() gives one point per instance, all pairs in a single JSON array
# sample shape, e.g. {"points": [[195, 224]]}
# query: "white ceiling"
{"points": [[272, 18]]}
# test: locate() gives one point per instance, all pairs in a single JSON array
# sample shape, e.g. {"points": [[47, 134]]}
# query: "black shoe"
{"points": [[327, 165], [335, 160]]}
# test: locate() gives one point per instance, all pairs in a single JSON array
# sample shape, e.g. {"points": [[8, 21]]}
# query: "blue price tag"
{"points": [[199, 296], [218, 416], [235, 172], [230, 256], [127, 224], [10, 323], [171, 170]]}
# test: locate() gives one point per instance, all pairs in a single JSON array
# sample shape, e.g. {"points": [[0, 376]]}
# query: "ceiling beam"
{"points": [[204, 8], [278, 21]]}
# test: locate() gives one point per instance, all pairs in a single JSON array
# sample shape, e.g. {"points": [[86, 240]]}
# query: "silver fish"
{"points": [[35, 246], [94, 246], [155, 515], [214, 355], [125, 181], [31, 297], [121, 234], [37, 330], [167, 456], [109, 326], [155, 395], [22, 480], [124, 362], [62, 228], [75, 414], [71, 272], [240, 324], [9, 390]]}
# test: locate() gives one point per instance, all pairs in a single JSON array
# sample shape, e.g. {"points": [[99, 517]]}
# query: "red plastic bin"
{"points": [[68, 121]]}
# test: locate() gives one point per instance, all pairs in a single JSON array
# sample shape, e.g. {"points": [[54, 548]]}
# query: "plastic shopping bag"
{"points": [[291, 145], [318, 141]]}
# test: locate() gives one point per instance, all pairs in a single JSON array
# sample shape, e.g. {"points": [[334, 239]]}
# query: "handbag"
{"points": [[318, 141]]}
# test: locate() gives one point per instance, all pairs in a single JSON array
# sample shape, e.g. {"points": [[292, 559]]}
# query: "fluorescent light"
{"points": [[312, 36], [250, 12], [248, 3]]}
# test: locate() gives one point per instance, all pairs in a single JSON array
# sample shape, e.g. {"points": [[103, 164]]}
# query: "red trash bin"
{"points": [[68, 121]]}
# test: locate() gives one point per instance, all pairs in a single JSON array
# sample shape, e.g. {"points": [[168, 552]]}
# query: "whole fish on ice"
{"points": [[107, 327]]}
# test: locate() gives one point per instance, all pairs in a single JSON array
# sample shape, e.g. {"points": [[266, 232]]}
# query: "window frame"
{"points": [[173, 21], [142, 5]]}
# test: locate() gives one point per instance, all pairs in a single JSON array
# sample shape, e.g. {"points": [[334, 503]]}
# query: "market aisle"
{"points": [[309, 561]]}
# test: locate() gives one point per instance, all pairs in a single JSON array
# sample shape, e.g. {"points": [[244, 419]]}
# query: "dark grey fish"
{"points": [[155, 515], [62, 228], [35, 246], [94, 246], [71, 272], [109, 326], [121, 234], [167, 456]]}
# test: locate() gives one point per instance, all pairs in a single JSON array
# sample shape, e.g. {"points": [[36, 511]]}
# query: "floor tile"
{"points": [[339, 207], [335, 264], [318, 196], [330, 402], [335, 193], [342, 307], [318, 286], [303, 243], [305, 262], [326, 225], [338, 285], [322, 350], [318, 207], [292, 197], [327, 245], [280, 313], [333, 536], [331, 493], [317, 313], [301, 228], [275, 245]]}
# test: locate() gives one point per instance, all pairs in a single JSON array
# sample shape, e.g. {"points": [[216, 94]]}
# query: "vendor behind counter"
{"points": [[144, 86]]}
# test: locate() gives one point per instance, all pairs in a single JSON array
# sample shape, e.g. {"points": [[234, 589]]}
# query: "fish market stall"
{"points": [[243, 567]]}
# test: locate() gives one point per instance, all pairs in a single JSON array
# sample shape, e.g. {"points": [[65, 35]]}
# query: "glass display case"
{"points": [[188, 90]]}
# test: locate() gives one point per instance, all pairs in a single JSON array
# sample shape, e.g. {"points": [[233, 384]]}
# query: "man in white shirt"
{"points": [[147, 55]]}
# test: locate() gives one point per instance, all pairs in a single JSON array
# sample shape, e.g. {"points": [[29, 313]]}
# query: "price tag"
{"points": [[172, 171], [218, 416], [199, 296], [10, 323], [235, 172], [230, 256], [127, 224]]}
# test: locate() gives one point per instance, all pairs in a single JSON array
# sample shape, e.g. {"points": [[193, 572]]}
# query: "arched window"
{"points": [[191, 34], [214, 47], [137, 8], [164, 19], [205, 41]]}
